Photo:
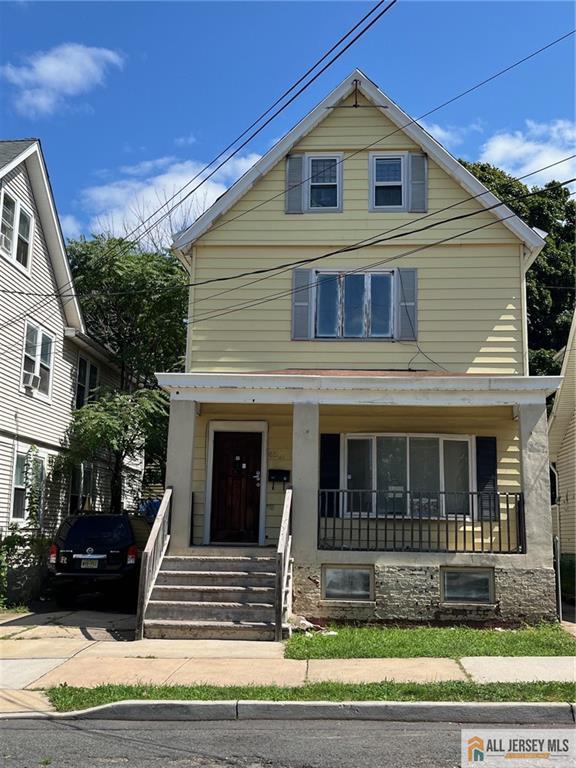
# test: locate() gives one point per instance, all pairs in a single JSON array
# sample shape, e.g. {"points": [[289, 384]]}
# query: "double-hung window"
{"points": [[387, 182], [354, 305], [38, 359], [15, 231], [81, 495], [86, 383], [324, 183], [24, 466], [389, 475]]}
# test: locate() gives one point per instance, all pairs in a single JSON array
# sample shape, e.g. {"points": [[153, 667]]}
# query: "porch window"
{"points": [[354, 305], [428, 475]]}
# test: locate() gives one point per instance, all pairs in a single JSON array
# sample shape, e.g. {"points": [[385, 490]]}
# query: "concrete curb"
{"points": [[399, 711]]}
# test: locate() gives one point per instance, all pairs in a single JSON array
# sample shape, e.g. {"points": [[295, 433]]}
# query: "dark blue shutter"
{"points": [[486, 478], [329, 474]]}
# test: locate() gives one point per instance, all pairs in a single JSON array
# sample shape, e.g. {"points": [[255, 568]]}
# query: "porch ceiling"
{"points": [[359, 388]]}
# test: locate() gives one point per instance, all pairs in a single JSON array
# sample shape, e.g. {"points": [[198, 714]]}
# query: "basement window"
{"points": [[467, 585], [347, 583]]}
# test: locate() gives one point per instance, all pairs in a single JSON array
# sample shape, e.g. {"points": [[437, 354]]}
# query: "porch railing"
{"points": [[152, 558], [402, 521], [283, 601]]}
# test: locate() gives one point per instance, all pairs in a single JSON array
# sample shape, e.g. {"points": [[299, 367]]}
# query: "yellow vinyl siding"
{"points": [[565, 517], [349, 130], [472, 421], [469, 312]]}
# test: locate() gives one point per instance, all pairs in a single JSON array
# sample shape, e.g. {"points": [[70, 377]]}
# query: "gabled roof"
{"points": [[534, 243], [28, 151], [565, 400]]}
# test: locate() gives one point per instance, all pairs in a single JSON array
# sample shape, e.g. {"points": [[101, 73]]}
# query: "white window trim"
{"points": [[308, 157], [373, 156], [87, 380], [316, 337], [22, 449], [456, 603], [47, 398], [91, 493], [11, 257], [469, 439]]}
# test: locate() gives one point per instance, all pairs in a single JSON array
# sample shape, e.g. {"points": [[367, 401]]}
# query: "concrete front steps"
{"points": [[215, 594]]}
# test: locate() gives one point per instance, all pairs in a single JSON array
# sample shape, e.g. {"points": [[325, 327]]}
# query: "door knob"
{"points": [[257, 475]]}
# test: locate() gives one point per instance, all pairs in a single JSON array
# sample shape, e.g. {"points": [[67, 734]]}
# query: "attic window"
{"points": [[324, 186], [388, 181], [15, 231]]}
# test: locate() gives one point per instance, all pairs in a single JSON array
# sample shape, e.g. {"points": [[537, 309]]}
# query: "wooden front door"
{"points": [[236, 486]]}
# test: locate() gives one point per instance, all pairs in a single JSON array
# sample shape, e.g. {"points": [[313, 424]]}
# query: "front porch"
{"points": [[397, 475]]}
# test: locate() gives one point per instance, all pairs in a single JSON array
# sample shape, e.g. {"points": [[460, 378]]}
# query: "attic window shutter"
{"points": [[418, 180], [406, 304], [294, 187], [302, 304], [486, 478]]}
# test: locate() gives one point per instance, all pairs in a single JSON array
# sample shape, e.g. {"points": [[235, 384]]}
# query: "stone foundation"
{"points": [[412, 594]]}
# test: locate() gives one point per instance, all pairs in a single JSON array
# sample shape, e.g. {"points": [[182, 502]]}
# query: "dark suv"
{"points": [[91, 552]]}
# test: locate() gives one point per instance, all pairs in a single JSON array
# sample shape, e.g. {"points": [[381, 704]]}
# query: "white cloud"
{"points": [[452, 136], [536, 146], [121, 205], [47, 79], [71, 227], [185, 141]]}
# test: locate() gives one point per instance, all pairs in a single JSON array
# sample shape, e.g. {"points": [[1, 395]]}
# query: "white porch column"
{"points": [[533, 425], [305, 478], [180, 455]]}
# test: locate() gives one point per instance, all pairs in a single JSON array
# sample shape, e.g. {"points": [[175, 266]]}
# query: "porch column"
{"points": [[305, 478], [534, 457], [180, 456]]}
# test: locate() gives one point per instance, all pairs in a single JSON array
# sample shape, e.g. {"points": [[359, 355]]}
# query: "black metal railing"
{"points": [[410, 521]]}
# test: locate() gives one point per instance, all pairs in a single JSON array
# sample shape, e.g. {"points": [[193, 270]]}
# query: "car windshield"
{"points": [[111, 532]]}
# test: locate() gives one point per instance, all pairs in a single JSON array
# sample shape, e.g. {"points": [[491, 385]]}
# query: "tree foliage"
{"points": [[551, 279], [115, 429], [134, 302]]}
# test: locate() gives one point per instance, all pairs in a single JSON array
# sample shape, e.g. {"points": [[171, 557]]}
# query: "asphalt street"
{"points": [[256, 744]]}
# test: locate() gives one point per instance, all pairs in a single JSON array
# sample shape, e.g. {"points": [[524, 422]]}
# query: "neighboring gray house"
{"points": [[48, 363]]}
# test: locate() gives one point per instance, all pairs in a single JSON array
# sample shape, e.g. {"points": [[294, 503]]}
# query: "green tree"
{"points": [[134, 302], [113, 430], [550, 280]]}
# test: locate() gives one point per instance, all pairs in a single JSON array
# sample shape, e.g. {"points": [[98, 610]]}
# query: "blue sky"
{"points": [[131, 98]]}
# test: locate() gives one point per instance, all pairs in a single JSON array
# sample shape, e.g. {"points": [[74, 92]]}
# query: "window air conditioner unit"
{"points": [[31, 380]]}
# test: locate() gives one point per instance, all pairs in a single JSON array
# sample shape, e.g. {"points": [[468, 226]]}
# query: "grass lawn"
{"points": [[65, 698], [450, 642]]}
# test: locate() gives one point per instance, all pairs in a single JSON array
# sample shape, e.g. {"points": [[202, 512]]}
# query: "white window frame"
{"points": [[403, 157], [83, 466], [11, 256], [491, 585], [21, 449], [468, 439], [338, 157], [367, 299], [87, 390], [47, 397]]}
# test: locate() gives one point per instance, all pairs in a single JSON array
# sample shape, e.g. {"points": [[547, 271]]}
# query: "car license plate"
{"points": [[89, 564]]}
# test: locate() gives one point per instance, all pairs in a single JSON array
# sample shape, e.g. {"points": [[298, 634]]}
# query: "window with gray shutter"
{"points": [[406, 304], [294, 184], [418, 183], [302, 303]]}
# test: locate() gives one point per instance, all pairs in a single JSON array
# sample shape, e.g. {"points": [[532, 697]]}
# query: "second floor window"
{"points": [[86, 383], [324, 183], [15, 231], [357, 305], [38, 359]]}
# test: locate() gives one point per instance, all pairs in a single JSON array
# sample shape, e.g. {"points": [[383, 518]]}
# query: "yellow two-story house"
{"points": [[356, 435]]}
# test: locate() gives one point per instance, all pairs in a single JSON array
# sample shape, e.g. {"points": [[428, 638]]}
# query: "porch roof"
{"points": [[418, 388]]}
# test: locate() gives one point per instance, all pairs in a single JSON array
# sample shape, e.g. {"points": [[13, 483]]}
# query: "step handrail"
{"points": [[283, 551], [152, 555]]}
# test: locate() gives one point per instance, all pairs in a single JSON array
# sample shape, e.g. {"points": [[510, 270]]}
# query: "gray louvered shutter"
{"points": [[418, 183], [486, 478], [302, 304], [406, 289], [294, 187]]}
